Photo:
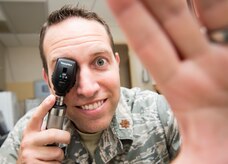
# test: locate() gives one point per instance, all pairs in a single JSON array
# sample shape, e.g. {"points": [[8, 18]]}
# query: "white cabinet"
{"points": [[9, 108]]}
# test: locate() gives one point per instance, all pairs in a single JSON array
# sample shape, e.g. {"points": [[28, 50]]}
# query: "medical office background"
{"points": [[21, 84]]}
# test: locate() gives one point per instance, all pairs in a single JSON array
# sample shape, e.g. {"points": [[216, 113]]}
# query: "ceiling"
{"points": [[21, 20]]}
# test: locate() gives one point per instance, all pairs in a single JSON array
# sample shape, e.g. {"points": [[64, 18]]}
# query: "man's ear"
{"points": [[45, 76], [117, 57]]}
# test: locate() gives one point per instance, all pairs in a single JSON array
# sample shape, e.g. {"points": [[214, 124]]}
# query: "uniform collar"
{"points": [[122, 123]]}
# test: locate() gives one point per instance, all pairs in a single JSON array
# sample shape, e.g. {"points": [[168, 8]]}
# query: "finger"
{"points": [[50, 136], [38, 161], [35, 122], [175, 17], [147, 38], [45, 162], [51, 153], [41, 155], [212, 13]]}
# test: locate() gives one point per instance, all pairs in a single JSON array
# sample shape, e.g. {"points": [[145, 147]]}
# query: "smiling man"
{"points": [[104, 122], [93, 100]]}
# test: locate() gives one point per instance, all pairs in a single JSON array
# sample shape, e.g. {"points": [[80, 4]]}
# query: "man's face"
{"points": [[91, 103]]}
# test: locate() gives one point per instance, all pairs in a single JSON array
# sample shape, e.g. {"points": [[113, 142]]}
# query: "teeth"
{"points": [[92, 106]]}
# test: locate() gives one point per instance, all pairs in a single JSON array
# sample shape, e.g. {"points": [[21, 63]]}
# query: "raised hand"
{"points": [[33, 146], [190, 69]]}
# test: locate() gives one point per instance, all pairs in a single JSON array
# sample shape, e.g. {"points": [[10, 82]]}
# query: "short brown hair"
{"points": [[64, 13]]}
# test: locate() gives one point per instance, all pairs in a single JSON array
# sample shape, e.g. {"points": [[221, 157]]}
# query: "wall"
{"points": [[2, 68], [125, 75], [138, 72], [23, 66]]}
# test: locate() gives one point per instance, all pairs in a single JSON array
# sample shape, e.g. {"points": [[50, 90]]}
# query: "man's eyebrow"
{"points": [[102, 51]]}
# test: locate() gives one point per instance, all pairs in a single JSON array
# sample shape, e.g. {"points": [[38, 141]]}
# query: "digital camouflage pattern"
{"points": [[143, 130]]}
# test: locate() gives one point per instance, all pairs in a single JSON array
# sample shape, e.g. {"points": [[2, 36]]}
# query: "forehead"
{"points": [[75, 28]]}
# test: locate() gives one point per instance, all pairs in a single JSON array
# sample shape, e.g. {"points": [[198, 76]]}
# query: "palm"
{"points": [[189, 70], [203, 76]]}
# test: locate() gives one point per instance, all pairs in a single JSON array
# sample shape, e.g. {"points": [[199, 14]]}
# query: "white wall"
{"points": [[22, 64]]}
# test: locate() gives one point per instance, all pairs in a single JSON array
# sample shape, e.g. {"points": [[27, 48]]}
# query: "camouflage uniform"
{"points": [[143, 130]]}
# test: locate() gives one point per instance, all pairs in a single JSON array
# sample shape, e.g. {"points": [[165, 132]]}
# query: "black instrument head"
{"points": [[64, 76]]}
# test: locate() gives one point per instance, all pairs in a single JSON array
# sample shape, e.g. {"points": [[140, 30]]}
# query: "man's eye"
{"points": [[101, 62]]}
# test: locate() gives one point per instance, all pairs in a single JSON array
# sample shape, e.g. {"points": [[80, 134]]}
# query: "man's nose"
{"points": [[86, 83]]}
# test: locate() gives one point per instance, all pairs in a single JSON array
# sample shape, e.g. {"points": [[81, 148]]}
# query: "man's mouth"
{"points": [[92, 106]]}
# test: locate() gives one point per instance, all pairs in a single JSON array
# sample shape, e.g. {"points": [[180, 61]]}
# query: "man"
{"points": [[105, 123], [189, 66]]}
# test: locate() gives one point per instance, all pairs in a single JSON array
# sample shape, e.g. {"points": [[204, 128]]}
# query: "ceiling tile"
{"points": [[29, 39], [9, 40], [26, 17]]}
